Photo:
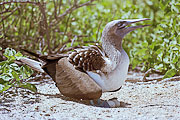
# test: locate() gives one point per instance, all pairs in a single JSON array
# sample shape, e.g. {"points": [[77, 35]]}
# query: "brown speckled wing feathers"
{"points": [[87, 59]]}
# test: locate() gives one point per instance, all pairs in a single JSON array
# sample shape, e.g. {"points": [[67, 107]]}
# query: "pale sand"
{"points": [[149, 101]]}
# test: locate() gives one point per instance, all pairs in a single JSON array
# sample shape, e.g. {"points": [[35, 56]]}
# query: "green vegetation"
{"points": [[48, 28], [13, 75]]}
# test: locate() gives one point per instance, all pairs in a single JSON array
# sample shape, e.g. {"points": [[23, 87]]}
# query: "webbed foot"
{"points": [[111, 103]]}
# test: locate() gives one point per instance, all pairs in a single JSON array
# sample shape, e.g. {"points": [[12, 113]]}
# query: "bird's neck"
{"points": [[112, 46]]}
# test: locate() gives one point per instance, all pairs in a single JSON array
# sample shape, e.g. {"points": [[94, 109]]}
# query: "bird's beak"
{"points": [[128, 22], [123, 31]]}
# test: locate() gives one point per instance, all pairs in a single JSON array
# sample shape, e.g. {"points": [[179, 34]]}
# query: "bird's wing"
{"points": [[90, 58], [74, 83]]}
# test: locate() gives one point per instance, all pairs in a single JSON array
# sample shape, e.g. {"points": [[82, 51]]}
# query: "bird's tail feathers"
{"points": [[35, 65], [48, 64], [47, 58]]}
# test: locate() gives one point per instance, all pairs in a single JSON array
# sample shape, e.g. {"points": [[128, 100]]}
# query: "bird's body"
{"points": [[113, 80], [109, 72], [91, 70]]}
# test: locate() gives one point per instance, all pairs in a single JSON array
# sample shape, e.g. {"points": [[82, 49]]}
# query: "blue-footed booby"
{"points": [[87, 72]]}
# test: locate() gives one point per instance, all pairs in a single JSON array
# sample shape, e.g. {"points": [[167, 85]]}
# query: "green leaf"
{"points": [[4, 87], [18, 55], [15, 75], [178, 64], [25, 71], [14, 66], [2, 66], [1, 87], [6, 77], [10, 53], [28, 86], [170, 73]]}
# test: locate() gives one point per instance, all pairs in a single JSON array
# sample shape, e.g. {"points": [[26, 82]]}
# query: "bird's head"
{"points": [[119, 28]]}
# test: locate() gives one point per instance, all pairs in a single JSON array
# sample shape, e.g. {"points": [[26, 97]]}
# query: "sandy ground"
{"points": [[149, 101]]}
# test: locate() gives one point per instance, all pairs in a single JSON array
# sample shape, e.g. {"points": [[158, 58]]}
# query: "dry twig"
{"points": [[73, 40], [47, 28], [69, 11], [149, 79], [69, 49], [97, 34], [63, 47], [8, 15], [147, 73], [139, 79], [176, 78], [19, 1], [72, 8]]}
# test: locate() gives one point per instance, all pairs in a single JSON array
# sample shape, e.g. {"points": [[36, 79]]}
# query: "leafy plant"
{"points": [[160, 48], [13, 75], [156, 46]]}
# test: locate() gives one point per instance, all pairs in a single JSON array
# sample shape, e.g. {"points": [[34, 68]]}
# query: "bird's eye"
{"points": [[121, 25]]}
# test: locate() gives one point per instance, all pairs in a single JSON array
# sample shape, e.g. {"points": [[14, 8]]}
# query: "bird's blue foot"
{"points": [[112, 103]]}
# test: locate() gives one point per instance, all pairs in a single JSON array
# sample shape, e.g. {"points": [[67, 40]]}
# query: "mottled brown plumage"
{"points": [[87, 59]]}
